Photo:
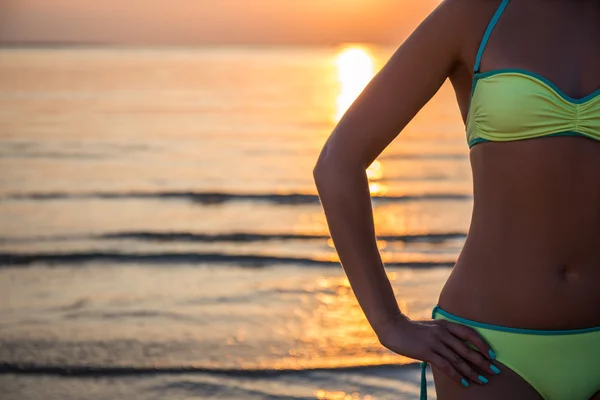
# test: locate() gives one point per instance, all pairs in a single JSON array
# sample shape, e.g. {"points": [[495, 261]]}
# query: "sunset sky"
{"points": [[186, 22]]}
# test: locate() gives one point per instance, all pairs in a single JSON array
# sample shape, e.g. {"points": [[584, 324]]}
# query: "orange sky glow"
{"points": [[189, 22]]}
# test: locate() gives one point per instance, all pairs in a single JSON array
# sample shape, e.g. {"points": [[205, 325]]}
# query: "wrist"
{"points": [[390, 325]]}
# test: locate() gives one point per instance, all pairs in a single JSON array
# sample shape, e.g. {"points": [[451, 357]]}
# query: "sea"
{"points": [[161, 236]]}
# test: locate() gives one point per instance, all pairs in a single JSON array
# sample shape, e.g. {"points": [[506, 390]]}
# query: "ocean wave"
{"points": [[132, 314], [69, 150], [218, 197], [257, 237], [234, 237], [99, 371], [60, 155], [8, 260]]}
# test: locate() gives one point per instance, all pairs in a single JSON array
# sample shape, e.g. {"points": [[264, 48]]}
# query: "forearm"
{"points": [[344, 192]]}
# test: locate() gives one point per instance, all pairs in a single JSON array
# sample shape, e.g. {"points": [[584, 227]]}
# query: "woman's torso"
{"points": [[532, 255]]}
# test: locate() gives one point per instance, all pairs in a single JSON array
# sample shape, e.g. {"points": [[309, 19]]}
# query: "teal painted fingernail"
{"points": [[464, 382], [482, 379], [492, 354], [495, 369]]}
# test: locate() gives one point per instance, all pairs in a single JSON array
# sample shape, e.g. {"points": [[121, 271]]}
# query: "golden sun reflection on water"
{"points": [[374, 174], [375, 171], [355, 69], [333, 331], [325, 395]]}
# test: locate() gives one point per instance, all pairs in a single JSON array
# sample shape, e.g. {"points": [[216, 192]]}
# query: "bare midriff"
{"points": [[532, 255]]}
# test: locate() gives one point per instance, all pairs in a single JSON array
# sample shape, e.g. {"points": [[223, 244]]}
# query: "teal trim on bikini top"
{"points": [[517, 104]]}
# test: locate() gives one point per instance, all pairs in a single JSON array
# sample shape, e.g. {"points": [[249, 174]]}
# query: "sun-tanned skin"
{"points": [[532, 255]]}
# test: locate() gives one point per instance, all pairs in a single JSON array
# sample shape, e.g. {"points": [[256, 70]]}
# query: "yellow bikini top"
{"points": [[515, 104]]}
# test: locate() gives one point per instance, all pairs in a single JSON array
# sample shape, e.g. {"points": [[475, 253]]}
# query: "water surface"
{"points": [[161, 237]]}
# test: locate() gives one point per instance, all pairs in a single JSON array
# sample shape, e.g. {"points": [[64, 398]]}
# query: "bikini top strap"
{"points": [[488, 32]]}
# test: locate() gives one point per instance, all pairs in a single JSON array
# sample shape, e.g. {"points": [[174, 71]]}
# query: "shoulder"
{"points": [[464, 17], [460, 24], [459, 20], [468, 8]]}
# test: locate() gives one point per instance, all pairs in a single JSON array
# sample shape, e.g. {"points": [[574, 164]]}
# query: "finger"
{"points": [[459, 364], [471, 335], [467, 353], [446, 367]]}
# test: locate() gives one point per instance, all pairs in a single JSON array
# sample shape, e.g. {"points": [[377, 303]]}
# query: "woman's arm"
{"points": [[410, 78]]}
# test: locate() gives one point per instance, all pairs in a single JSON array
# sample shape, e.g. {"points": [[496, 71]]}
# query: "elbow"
{"points": [[319, 171], [319, 175], [334, 165], [324, 165]]}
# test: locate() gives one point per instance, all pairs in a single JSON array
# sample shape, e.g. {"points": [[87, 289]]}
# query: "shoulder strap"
{"points": [[488, 32]]}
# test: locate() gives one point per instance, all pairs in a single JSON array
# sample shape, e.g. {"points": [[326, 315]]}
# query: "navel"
{"points": [[567, 274]]}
